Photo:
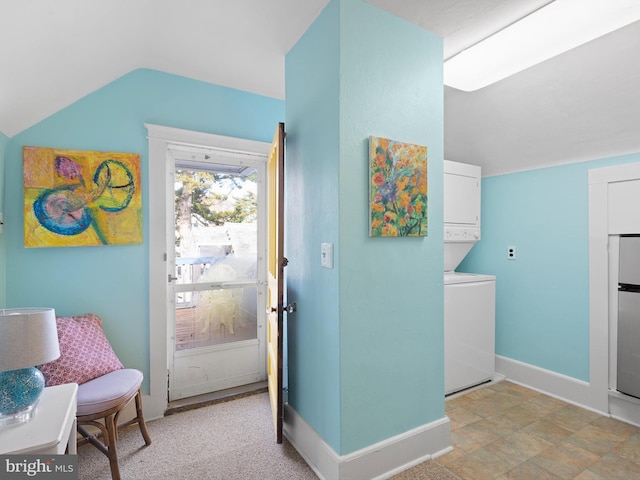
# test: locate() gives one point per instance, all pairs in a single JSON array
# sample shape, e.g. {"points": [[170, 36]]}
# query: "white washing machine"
{"points": [[469, 299], [469, 330]]}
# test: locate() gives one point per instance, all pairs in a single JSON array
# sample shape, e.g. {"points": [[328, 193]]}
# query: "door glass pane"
{"points": [[214, 317], [216, 246]]}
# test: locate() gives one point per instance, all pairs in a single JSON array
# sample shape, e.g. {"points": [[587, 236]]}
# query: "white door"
{"points": [[218, 288]]}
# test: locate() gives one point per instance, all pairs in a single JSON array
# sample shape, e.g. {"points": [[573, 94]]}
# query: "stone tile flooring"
{"points": [[508, 432]]}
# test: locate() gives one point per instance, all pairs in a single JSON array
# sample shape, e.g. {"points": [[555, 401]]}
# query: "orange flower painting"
{"points": [[398, 188]]}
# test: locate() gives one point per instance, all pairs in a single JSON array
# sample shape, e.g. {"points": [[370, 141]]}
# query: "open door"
{"points": [[277, 262]]}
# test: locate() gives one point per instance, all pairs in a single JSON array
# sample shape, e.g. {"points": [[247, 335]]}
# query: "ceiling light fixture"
{"points": [[549, 31]]}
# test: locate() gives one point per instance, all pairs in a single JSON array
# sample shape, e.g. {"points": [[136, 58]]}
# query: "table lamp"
{"points": [[28, 337]]}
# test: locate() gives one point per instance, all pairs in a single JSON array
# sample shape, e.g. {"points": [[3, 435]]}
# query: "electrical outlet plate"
{"points": [[326, 255], [511, 253]]}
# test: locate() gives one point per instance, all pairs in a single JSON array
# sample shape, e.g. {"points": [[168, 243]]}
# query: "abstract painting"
{"points": [[398, 188], [81, 198]]}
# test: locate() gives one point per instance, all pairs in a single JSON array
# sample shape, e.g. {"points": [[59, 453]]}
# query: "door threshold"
{"points": [[212, 398]]}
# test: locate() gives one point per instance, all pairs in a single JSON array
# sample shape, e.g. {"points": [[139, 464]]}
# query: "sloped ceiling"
{"points": [[55, 52], [581, 105]]}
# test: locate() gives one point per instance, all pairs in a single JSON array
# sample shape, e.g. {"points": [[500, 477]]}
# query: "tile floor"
{"points": [[505, 431]]}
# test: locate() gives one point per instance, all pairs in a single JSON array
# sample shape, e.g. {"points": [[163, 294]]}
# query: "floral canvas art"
{"points": [[398, 188], [80, 198]]}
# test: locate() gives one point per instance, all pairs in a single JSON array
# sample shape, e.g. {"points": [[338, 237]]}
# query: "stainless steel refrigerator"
{"points": [[629, 316]]}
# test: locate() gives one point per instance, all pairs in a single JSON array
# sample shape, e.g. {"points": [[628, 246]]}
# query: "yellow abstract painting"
{"points": [[81, 198]]}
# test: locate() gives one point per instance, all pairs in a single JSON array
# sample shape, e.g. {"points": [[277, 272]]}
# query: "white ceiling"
{"points": [[581, 105]]}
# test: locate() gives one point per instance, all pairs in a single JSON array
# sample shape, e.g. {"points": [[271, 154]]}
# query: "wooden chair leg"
{"points": [[111, 443], [109, 428], [141, 422]]}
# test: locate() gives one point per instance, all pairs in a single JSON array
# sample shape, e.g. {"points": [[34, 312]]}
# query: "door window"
{"points": [[216, 256]]}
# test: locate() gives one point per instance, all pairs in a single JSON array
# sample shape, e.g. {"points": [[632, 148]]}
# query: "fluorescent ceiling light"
{"points": [[549, 31]]}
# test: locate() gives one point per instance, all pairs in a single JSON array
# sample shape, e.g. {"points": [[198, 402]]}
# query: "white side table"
{"points": [[51, 430]]}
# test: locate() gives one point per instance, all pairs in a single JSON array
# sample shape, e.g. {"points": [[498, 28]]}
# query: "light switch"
{"points": [[326, 253]]}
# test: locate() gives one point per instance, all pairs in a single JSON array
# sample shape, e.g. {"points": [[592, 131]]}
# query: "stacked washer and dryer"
{"points": [[469, 298]]}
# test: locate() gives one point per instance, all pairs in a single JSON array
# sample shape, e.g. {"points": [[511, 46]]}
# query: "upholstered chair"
{"points": [[105, 387]]}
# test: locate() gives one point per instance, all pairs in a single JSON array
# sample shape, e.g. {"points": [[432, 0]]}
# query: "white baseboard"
{"points": [[624, 407], [554, 384], [153, 408], [376, 462], [150, 409]]}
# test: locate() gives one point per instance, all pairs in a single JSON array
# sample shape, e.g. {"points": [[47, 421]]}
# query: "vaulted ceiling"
{"points": [[581, 105]]}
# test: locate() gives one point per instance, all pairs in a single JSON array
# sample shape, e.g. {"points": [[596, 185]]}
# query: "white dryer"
{"points": [[461, 206]]}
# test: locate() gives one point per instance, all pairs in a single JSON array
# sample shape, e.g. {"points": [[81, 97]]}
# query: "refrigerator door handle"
{"points": [[628, 287]]}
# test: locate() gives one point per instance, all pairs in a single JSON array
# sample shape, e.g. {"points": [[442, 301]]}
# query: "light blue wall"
{"points": [[367, 364], [312, 188], [542, 297], [391, 293], [4, 140], [113, 280]]}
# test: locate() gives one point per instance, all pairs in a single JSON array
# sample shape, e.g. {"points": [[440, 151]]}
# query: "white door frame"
{"points": [[161, 207], [605, 219]]}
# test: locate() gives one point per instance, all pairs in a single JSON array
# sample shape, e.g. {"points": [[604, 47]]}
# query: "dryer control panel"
{"points": [[453, 233]]}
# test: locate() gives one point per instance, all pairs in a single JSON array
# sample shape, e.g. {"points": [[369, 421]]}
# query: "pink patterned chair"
{"points": [[105, 387]]}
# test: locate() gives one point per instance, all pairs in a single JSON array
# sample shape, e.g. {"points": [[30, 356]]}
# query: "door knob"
{"points": [[291, 308]]}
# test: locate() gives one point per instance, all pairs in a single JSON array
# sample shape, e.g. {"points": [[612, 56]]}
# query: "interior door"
{"points": [[276, 264]]}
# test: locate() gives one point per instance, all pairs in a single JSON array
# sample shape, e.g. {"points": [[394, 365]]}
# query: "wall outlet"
{"points": [[511, 253]]}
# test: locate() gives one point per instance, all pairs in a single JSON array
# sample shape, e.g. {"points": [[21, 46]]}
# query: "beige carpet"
{"points": [[226, 441], [426, 471]]}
